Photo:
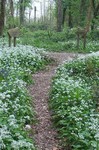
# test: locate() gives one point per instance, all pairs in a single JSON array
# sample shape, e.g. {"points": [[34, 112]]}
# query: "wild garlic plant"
{"points": [[75, 102], [16, 65]]}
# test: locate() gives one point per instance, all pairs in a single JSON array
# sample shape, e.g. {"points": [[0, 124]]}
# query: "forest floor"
{"points": [[44, 133]]}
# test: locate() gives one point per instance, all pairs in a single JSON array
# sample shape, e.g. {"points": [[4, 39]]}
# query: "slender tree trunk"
{"points": [[11, 8], [41, 11], [82, 12], [64, 15], [70, 16], [50, 15], [17, 9], [83, 32], [11, 25], [2, 15], [29, 15], [92, 26], [95, 13], [59, 15], [44, 10], [22, 10], [87, 28], [35, 13]]}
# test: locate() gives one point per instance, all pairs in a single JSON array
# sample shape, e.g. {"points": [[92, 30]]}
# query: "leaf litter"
{"points": [[45, 135]]}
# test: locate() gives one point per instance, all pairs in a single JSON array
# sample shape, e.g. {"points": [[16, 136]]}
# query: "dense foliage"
{"points": [[75, 97], [75, 102], [16, 65], [59, 41]]}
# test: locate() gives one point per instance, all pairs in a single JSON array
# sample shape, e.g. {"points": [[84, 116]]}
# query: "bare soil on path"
{"points": [[44, 133]]}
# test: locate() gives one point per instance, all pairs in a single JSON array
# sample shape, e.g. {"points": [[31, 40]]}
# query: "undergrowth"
{"points": [[16, 111], [58, 41], [75, 103]]}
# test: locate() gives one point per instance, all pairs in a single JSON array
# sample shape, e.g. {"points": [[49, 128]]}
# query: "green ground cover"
{"points": [[16, 111], [59, 41], [75, 103], [75, 89]]}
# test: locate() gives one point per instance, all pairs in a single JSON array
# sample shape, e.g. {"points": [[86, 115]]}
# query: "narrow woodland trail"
{"points": [[44, 134]]}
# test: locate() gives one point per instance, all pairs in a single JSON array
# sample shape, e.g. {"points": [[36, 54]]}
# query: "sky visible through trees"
{"points": [[41, 6]]}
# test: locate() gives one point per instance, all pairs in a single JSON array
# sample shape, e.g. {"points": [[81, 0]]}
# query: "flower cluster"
{"points": [[75, 102], [16, 65]]}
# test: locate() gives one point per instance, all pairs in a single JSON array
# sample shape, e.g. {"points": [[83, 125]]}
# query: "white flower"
{"points": [[28, 127]]}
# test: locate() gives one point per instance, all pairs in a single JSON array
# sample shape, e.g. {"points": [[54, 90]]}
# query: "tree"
{"points": [[11, 15], [95, 13], [83, 32], [2, 15], [59, 15], [22, 10], [11, 8], [70, 15], [82, 12], [23, 4], [64, 11]]}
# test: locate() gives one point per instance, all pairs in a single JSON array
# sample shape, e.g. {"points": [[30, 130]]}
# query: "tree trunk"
{"points": [[2, 16], [44, 18], [70, 16], [11, 8], [64, 15], [35, 13], [11, 25], [82, 33], [59, 15], [95, 14], [22, 10], [29, 15], [82, 12]]}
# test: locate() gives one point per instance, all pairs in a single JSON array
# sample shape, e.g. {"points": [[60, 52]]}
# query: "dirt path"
{"points": [[45, 135]]}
